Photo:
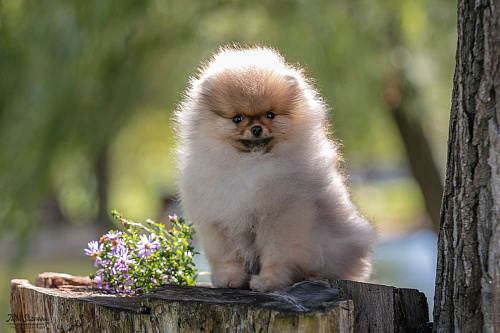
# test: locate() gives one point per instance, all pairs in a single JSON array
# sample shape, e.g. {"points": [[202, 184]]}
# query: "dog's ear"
{"points": [[295, 91], [207, 88], [292, 81], [207, 85]]}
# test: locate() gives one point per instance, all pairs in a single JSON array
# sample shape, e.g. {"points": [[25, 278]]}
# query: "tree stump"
{"points": [[63, 303]]}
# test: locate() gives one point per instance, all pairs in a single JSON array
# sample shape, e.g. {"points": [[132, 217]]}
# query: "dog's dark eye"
{"points": [[270, 115], [237, 119]]}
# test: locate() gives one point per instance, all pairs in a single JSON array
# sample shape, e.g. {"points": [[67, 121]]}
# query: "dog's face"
{"points": [[250, 109]]}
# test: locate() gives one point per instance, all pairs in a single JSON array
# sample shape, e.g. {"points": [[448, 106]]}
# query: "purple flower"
{"points": [[114, 239], [99, 280], [123, 260], [117, 245], [111, 287], [172, 218], [105, 262], [146, 245], [113, 235], [112, 269], [93, 250]]}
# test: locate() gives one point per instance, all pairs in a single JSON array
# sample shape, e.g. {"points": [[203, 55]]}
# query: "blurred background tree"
{"points": [[88, 88]]}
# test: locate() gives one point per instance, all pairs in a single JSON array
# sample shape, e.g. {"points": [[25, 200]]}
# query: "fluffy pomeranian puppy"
{"points": [[260, 178]]}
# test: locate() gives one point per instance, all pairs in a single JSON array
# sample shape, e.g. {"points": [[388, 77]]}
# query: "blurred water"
{"points": [[408, 261]]}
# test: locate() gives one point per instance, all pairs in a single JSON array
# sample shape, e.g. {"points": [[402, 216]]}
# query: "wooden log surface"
{"points": [[64, 303]]}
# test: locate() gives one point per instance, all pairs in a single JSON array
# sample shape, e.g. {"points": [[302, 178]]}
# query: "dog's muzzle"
{"points": [[254, 143]]}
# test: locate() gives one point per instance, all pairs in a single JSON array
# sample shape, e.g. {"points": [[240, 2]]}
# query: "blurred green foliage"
{"points": [[84, 79]]}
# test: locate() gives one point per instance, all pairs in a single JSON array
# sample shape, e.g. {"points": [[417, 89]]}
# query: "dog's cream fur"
{"points": [[267, 215]]}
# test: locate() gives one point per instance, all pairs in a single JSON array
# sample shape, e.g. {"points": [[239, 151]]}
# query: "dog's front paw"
{"points": [[230, 276], [267, 283]]}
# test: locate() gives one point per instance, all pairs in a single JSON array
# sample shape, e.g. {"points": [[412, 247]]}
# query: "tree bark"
{"points": [[63, 303], [467, 297]]}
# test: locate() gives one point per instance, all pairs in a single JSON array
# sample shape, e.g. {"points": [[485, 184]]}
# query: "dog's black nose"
{"points": [[256, 130]]}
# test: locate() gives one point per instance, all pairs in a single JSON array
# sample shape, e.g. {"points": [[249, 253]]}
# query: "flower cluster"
{"points": [[144, 256]]}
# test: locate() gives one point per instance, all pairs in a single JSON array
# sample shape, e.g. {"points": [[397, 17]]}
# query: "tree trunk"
{"points": [[467, 297], [63, 303], [422, 164]]}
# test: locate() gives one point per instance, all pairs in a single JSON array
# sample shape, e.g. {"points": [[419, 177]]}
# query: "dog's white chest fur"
{"points": [[230, 194]]}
